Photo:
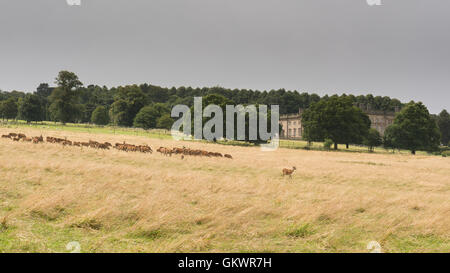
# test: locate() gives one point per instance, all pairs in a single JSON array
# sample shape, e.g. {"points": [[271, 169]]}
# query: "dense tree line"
{"points": [[443, 121], [126, 101], [339, 121], [148, 106]]}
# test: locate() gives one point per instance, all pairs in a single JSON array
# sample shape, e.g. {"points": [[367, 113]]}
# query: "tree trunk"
{"points": [[335, 146], [346, 146]]}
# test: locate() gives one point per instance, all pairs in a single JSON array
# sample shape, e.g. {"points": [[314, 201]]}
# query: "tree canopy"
{"points": [[335, 118], [413, 129], [8, 109], [373, 139], [30, 108], [149, 116], [164, 122], [127, 103], [100, 116], [64, 105], [69, 101], [443, 121]]}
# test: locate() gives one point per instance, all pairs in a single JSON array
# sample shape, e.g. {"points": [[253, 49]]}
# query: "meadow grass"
{"points": [[165, 134], [87, 128], [113, 201]]}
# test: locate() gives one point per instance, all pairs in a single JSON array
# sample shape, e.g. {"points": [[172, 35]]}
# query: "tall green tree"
{"points": [[9, 109], [222, 102], [44, 90], [161, 108], [373, 139], [64, 105], [128, 101], [147, 118], [414, 129], [164, 122], [335, 118], [443, 121], [30, 108], [215, 99], [119, 113], [100, 116]]}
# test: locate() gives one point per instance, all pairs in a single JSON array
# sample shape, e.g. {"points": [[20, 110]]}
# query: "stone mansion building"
{"points": [[292, 123]]}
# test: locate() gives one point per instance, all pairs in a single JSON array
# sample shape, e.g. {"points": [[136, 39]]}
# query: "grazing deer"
{"points": [[289, 171], [37, 139]]}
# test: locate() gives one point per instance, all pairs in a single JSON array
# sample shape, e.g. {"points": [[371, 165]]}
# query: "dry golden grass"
{"points": [[112, 201]]}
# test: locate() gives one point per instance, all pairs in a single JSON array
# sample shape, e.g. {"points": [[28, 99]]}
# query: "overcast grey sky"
{"points": [[399, 49]]}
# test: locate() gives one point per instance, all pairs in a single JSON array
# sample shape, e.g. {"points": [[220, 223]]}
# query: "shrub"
{"points": [[300, 231], [327, 144], [164, 122], [100, 116], [373, 139], [4, 224], [146, 118]]}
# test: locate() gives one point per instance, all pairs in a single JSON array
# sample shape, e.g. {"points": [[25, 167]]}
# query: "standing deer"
{"points": [[289, 171]]}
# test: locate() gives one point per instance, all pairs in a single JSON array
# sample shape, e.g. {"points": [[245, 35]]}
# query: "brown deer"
{"points": [[289, 171]]}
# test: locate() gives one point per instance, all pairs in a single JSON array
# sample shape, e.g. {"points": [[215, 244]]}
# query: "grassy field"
{"points": [[164, 134], [112, 201]]}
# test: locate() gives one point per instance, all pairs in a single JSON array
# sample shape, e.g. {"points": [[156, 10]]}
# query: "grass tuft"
{"points": [[93, 224], [149, 234], [302, 231], [4, 224], [50, 214], [360, 210]]}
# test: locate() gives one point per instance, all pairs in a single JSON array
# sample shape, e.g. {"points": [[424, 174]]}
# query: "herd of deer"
{"points": [[128, 148], [22, 137], [119, 146], [187, 151]]}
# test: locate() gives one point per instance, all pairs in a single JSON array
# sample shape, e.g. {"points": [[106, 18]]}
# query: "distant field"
{"points": [[85, 128], [113, 201], [164, 134]]}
